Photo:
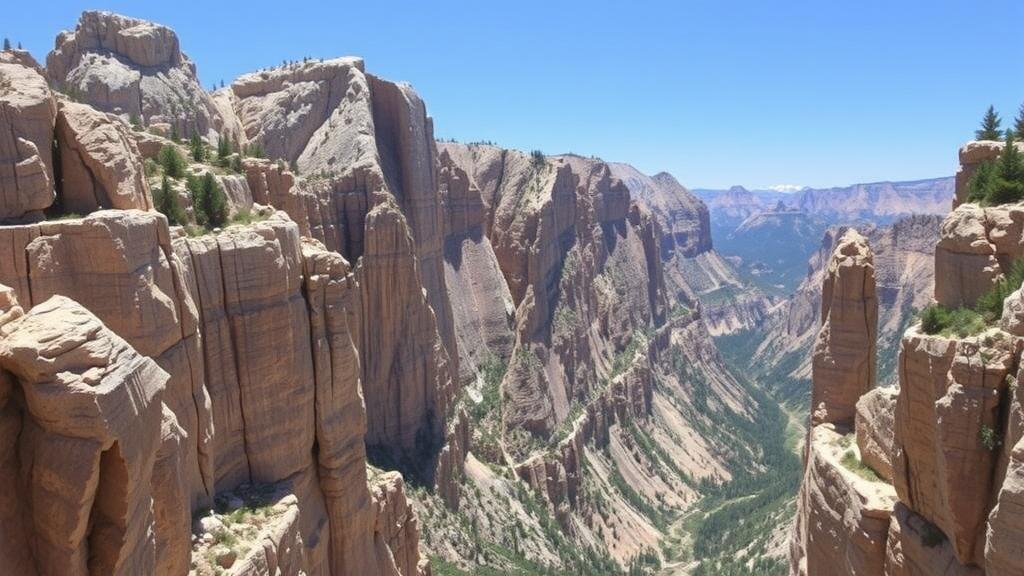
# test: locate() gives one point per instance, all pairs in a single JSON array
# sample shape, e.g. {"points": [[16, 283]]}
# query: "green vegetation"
{"points": [[492, 370], [1018, 123], [208, 200], [989, 437], [171, 161], [963, 322], [7, 44], [135, 122], [931, 536], [537, 158], [852, 463], [1000, 181], [224, 150], [165, 200], [989, 126], [196, 148]]}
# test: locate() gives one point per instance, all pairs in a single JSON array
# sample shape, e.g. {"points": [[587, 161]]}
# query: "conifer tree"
{"points": [[223, 149], [166, 202], [210, 203], [989, 126], [171, 161], [197, 148], [7, 43], [1018, 123], [175, 137]]}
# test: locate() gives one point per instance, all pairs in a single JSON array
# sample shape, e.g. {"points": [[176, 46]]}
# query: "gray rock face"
{"points": [[133, 68]]}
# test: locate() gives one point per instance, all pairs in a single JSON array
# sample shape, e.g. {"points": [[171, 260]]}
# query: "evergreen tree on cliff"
{"points": [[7, 43], [1018, 123], [166, 202], [989, 126]]}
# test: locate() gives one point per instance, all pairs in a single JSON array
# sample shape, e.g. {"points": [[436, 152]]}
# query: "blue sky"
{"points": [[718, 93]]}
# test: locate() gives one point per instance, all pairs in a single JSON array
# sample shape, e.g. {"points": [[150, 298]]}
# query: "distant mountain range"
{"points": [[770, 234]]}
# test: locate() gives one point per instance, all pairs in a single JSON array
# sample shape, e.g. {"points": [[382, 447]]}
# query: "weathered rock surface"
{"points": [[875, 429], [28, 113], [843, 367], [842, 519], [373, 195], [949, 392], [917, 548], [90, 431], [132, 68], [100, 164]]}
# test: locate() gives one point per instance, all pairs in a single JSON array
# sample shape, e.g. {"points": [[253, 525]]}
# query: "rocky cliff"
{"points": [[904, 265], [923, 479]]}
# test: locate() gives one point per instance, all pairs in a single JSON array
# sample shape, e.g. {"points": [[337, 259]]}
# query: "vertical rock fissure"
{"points": [[233, 331]]}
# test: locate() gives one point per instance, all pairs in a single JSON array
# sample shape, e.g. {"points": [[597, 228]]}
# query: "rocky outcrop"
{"points": [[28, 113], [843, 367], [835, 503], [100, 165], [685, 220], [135, 69], [372, 194], [87, 420], [953, 452], [971, 155], [950, 391], [875, 429]]}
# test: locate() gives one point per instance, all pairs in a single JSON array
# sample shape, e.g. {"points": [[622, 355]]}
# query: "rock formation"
{"points": [[28, 112], [134, 69], [947, 443], [844, 354]]}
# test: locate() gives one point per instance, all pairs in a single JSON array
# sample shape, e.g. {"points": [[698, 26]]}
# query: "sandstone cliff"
{"points": [[943, 447]]}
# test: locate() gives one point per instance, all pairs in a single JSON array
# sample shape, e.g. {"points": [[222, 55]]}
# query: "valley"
{"points": [[281, 327]]}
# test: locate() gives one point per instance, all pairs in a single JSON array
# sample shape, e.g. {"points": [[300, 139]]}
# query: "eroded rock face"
{"points": [[843, 367], [132, 68], [917, 548], [875, 429], [89, 435], [372, 194], [842, 519], [949, 392], [100, 164], [28, 113]]}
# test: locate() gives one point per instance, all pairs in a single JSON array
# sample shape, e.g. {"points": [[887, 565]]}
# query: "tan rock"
{"points": [[90, 436], [875, 429], [842, 519], [916, 547], [843, 367], [100, 164], [971, 155], [964, 258], [132, 67], [28, 112], [949, 393]]}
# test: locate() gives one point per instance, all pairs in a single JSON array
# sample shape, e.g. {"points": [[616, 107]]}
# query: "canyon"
{"points": [[397, 355]]}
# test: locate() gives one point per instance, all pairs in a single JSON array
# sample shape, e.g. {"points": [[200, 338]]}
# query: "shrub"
{"points": [[223, 150], [961, 322], [989, 438], [990, 304], [171, 161]]}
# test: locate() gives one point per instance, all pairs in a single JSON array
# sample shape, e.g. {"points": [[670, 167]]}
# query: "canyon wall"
{"points": [[924, 478]]}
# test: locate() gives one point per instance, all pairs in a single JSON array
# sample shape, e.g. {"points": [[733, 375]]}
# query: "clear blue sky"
{"points": [[717, 92]]}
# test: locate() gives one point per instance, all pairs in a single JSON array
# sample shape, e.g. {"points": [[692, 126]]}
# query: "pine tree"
{"points": [[223, 150], [211, 205], [989, 126], [1018, 123], [175, 137], [7, 43], [197, 147], [19, 46], [166, 202], [171, 161], [1011, 161]]}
